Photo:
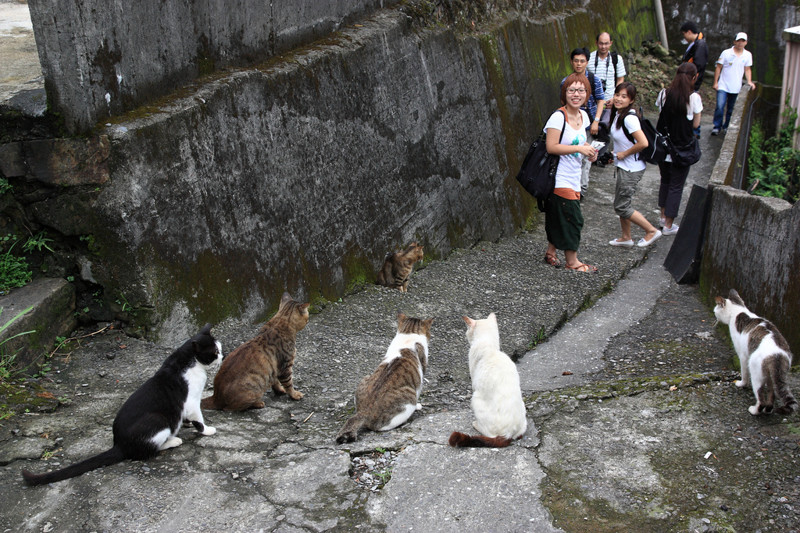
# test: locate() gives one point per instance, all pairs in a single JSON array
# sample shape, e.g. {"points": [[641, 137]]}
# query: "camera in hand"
{"points": [[604, 159]]}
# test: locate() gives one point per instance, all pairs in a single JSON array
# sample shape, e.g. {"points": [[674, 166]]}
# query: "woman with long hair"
{"points": [[680, 115], [629, 140], [563, 220]]}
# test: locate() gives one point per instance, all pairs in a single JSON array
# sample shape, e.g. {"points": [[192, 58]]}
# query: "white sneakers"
{"points": [[643, 243], [624, 244], [672, 230]]}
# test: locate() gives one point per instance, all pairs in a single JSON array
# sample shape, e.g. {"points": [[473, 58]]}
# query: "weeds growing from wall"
{"points": [[774, 163], [13, 268]]}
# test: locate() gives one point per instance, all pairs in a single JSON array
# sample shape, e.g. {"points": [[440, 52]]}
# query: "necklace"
{"points": [[575, 120]]}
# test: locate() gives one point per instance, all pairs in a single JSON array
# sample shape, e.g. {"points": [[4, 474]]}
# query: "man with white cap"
{"points": [[732, 64]]}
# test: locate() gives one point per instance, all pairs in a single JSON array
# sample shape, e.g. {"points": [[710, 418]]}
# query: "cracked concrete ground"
{"points": [[634, 423]]}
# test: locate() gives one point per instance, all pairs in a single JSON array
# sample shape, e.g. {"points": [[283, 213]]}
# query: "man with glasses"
{"points": [[607, 65], [593, 106]]}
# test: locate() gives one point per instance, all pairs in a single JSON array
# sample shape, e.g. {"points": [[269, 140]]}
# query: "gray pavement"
{"points": [[21, 80]]}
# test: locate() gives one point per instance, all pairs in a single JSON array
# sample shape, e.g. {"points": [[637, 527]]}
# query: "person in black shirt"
{"points": [[697, 54]]}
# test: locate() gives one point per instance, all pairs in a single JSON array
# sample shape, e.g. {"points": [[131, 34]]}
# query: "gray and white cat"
{"points": [[764, 354], [390, 395], [496, 395]]}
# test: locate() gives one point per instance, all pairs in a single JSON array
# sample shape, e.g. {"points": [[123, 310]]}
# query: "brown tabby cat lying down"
{"points": [[265, 360], [397, 267], [389, 396]]}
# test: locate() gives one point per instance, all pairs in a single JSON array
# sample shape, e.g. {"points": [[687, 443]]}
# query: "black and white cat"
{"points": [[149, 420], [764, 354]]}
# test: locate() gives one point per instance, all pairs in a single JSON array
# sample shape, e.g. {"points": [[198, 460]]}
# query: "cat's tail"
{"points": [[777, 375], [462, 440], [211, 403], [107, 458], [351, 428]]}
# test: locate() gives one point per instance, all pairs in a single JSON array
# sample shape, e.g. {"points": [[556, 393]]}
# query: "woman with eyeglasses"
{"points": [[563, 216]]}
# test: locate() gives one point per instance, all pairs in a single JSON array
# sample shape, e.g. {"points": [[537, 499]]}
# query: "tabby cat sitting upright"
{"points": [[264, 361], [397, 267], [149, 420], [390, 395], [496, 394], [764, 355]]}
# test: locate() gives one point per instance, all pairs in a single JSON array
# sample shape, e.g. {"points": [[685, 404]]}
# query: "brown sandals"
{"points": [[583, 267], [552, 260]]}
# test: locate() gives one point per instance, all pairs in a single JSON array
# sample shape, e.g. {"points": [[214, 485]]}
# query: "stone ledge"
{"points": [[52, 315]]}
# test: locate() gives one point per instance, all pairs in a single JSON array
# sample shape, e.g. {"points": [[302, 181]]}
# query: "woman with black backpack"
{"points": [[566, 138], [629, 140], [680, 115]]}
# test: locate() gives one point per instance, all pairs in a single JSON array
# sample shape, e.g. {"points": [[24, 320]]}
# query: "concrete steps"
{"points": [[52, 314]]}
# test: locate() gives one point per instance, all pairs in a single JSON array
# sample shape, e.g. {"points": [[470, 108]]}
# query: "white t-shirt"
{"points": [[621, 143], [568, 174], [605, 72], [694, 106], [730, 78]]}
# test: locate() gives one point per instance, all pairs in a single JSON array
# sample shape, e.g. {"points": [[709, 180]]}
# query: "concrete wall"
{"points": [[752, 244], [301, 173], [101, 58], [721, 20]]}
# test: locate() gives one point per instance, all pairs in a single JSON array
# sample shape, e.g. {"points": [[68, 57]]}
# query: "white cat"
{"points": [[496, 395], [764, 354]]}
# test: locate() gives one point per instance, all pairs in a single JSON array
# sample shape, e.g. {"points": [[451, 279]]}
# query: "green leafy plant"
{"points": [[774, 163], [540, 336], [5, 186], [37, 242], [13, 269]]}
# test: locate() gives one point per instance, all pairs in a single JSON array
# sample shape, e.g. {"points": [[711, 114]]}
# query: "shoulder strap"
{"points": [[625, 130], [614, 58], [563, 126]]}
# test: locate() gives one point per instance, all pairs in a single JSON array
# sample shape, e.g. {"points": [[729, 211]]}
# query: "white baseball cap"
{"points": [[741, 36]]}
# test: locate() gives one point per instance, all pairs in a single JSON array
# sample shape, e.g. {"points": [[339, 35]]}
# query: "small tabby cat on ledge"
{"points": [[397, 267]]}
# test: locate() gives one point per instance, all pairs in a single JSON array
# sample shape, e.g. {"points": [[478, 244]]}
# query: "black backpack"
{"points": [[538, 172], [658, 144]]}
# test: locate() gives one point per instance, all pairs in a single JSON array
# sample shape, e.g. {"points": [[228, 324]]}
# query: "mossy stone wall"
{"points": [[300, 173]]}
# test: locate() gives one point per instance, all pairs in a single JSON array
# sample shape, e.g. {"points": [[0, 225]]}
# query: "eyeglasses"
{"points": [[578, 91]]}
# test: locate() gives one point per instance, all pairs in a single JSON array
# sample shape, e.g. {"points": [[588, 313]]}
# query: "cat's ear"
{"points": [[285, 298], [401, 317], [206, 330], [492, 317], [720, 301], [469, 321], [735, 298]]}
